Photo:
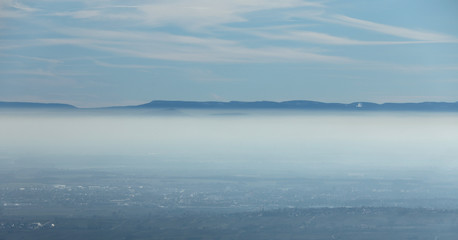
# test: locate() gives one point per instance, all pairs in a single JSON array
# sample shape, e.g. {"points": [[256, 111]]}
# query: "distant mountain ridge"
{"points": [[26, 105], [292, 105], [304, 105]]}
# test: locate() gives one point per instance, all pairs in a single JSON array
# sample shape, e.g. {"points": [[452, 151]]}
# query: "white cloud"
{"points": [[188, 14], [205, 35], [406, 68], [193, 16], [20, 6], [121, 36], [39, 59], [392, 30], [166, 46], [322, 38], [14, 9], [200, 13], [13, 4], [79, 14], [219, 53]]}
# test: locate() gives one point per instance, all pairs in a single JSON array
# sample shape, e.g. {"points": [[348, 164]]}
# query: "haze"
{"points": [[266, 142]]}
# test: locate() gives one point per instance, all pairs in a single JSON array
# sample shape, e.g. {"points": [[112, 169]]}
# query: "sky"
{"points": [[93, 53]]}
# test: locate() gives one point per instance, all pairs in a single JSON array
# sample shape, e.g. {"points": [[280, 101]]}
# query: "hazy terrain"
{"points": [[178, 174]]}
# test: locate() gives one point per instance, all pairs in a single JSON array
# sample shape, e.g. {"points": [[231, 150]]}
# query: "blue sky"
{"points": [[108, 52]]}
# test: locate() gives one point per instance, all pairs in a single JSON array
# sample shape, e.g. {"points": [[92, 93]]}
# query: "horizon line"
{"points": [[216, 101]]}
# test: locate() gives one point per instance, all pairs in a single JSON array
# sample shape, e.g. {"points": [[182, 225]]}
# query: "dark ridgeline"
{"points": [[304, 105], [287, 105], [32, 105]]}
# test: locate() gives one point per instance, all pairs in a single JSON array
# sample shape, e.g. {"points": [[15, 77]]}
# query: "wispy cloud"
{"points": [[39, 59], [126, 35], [221, 54], [326, 39], [197, 44], [14, 4], [406, 33], [20, 6], [187, 14], [14, 9], [79, 14], [405, 68], [166, 46], [212, 45], [203, 13]]}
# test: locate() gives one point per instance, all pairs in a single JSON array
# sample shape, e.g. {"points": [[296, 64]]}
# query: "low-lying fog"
{"points": [[251, 142]]}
